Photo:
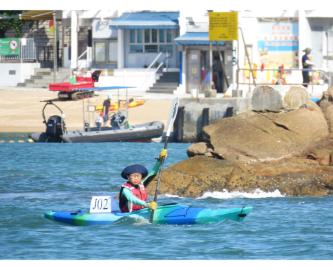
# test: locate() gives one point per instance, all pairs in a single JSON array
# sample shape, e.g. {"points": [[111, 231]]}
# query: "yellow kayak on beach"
{"points": [[114, 105]]}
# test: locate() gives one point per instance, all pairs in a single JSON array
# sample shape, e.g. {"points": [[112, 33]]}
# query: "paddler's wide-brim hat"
{"points": [[135, 168]]}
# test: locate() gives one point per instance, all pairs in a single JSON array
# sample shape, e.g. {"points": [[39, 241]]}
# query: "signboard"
{"points": [[100, 204], [9, 46], [278, 44], [223, 26]]}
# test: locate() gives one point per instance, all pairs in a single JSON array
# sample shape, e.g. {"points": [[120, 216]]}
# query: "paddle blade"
{"points": [[172, 116]]}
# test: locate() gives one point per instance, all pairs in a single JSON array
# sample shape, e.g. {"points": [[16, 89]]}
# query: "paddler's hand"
{"points": [[163, 154], [152, 205]]}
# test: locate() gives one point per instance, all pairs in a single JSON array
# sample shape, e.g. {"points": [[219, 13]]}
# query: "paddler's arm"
{"points": [[154, 171], [133, 199]]}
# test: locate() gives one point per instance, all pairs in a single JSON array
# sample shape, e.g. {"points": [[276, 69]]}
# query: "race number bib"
{"points": [[100, 204]]}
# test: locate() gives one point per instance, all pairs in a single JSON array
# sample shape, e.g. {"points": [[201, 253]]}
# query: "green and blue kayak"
{"points": [[165, 214]]}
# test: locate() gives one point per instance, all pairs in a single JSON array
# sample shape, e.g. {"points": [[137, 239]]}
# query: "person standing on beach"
{"points": [[307, 65], [106, 108]]}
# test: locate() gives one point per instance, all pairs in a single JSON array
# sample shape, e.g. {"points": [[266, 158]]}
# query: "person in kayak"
{"points": [[133, 195]]}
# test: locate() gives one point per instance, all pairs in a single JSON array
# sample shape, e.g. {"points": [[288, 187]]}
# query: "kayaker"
{"points": [[133, 195]]}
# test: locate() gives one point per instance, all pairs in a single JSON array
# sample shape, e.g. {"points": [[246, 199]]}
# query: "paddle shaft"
{"points": [[159, 171], [171, 121]]}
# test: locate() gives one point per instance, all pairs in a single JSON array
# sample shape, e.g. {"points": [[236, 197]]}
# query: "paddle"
{"points": [[172, 117]]}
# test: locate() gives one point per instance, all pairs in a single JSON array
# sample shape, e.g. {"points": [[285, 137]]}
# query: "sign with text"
{"points": [[223, 26], [278, 43], [100, 204], [9, 46]]}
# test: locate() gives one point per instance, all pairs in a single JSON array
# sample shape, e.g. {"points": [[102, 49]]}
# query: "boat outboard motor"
{"points": [[118, 120], [55, 127], [95, 75]]}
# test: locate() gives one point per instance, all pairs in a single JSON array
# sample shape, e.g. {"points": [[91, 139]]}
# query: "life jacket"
{"points": [[139, 192]]}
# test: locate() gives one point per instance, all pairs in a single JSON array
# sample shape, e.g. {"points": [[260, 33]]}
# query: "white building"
{"points": [[271, 38], [134, 43]]}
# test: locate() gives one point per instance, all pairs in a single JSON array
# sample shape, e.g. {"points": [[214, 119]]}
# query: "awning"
{"points": [[146, 20], [36, 15], [196, 38]]}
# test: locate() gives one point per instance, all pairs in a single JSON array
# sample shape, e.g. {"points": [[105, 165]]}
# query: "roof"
{"points": [[146, 20], [195, 38], [34, 15]]}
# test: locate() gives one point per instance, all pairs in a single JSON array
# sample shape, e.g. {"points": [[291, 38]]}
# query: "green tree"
{"points": [[10, 20]]}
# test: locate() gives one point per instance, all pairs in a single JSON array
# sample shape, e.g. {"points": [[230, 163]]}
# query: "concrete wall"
{"points": [[14, 73], [218, 109]]}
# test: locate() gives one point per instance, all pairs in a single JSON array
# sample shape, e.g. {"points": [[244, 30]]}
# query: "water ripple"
{"points": [[35, 178]]}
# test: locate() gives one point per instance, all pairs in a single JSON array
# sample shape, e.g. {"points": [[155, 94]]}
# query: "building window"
{"points": [[151, 48], [132, 36], [166, 49], [105, 51], [100, 52], [162, 35], [151, 41], [136, 48], [153, 36], [113, 50], [139, 36], [169, 36], [147, 35]]}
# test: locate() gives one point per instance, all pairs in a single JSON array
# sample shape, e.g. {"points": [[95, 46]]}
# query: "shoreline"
{"points": [[21, 109]]}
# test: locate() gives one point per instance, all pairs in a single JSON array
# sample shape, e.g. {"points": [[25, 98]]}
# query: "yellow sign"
{"points": [[223, 26]]}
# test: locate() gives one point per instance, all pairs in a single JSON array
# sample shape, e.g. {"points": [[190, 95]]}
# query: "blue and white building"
{"points": [[138, 46]]}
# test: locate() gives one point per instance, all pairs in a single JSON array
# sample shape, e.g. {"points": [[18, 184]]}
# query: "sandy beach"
{"points": [[21, 109]]}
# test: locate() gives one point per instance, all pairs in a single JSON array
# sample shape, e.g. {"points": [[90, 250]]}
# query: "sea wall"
{"points": [[194, 114]]}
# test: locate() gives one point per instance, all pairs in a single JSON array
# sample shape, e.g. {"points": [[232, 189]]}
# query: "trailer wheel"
{"points": [[75, 96]]}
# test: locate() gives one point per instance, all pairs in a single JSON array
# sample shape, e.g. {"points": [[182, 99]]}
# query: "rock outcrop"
{"points": [[278, 98], [295, 97], [253, 137], [293, 177], [266, 98], [290, 150]]}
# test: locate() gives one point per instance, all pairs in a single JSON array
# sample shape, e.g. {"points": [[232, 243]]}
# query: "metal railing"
{"points": [[155, 60], [84, 53], [319, 81], [28, 51], [276, 76]]}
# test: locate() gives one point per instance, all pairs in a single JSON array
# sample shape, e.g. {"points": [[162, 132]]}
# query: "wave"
{"points": [[257, 194]]}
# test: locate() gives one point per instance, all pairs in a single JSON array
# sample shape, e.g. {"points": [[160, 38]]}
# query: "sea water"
{"points": [[35, 178]]}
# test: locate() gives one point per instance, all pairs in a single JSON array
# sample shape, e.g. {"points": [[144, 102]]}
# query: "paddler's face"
{"points": [[135, 178]]}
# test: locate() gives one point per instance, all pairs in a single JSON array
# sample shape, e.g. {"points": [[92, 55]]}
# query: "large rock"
{"points": [[265, 98], [289, 151], [328, 95], [252, 137], [326, 104], [295, 97], [200, 148], [329, 117], [294, 177]]}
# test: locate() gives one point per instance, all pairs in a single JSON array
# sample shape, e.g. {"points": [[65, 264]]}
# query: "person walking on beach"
{"points": [[106, 108], [133, 195], [307, 65]]}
